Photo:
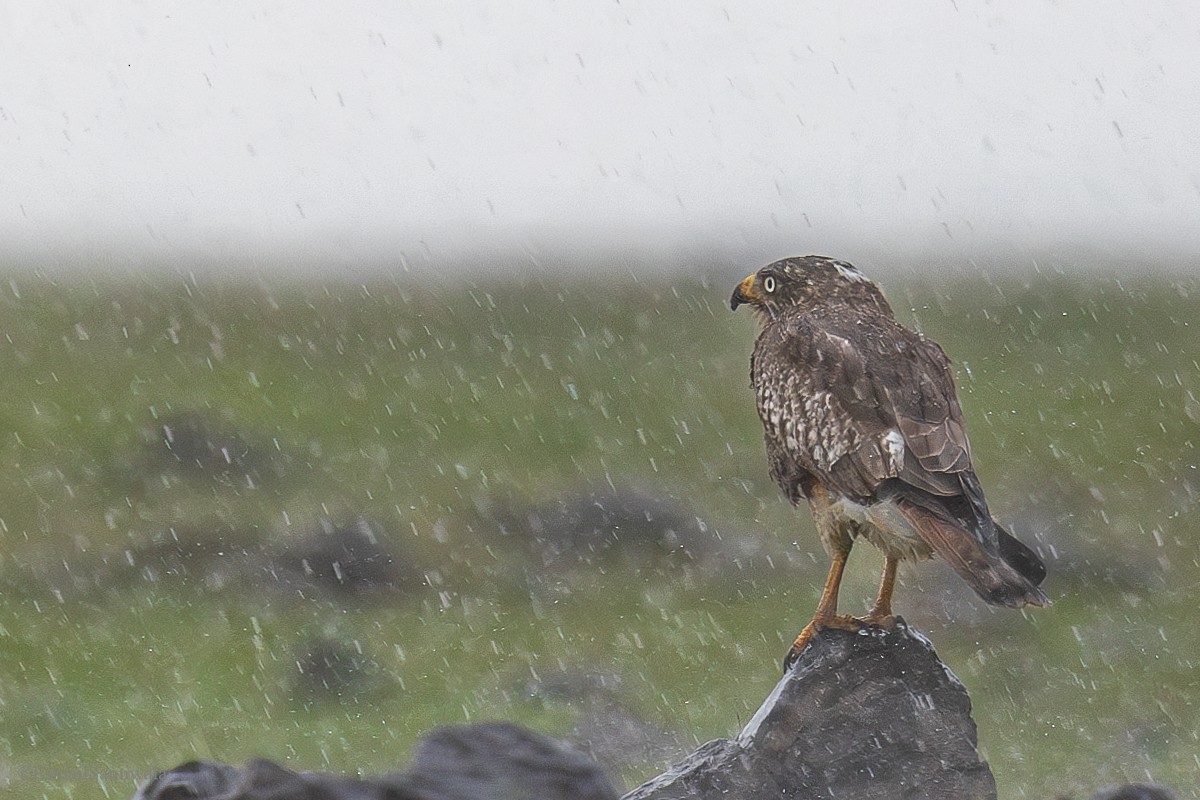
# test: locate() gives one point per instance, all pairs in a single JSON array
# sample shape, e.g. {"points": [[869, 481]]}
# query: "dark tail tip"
{"points": [[1021, 558], [1004, 588], [1036, 597]]}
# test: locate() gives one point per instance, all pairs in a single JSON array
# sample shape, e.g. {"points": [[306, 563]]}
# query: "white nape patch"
{"points": [[850, 272], [893, 447]]}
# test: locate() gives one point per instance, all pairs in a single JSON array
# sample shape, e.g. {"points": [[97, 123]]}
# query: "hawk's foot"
{"points": [[874, 619], [837, 621]]}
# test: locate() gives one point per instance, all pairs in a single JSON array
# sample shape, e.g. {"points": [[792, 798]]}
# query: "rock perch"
{"points": [[863, 716]]}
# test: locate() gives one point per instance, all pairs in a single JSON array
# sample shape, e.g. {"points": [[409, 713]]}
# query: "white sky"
{"points": [[367, 131]]}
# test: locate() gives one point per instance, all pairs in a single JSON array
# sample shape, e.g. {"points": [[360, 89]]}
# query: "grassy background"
{"points": [[419, 407]]}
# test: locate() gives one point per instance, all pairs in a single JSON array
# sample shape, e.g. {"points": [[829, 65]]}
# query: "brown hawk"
{"points": [[862, 421]]}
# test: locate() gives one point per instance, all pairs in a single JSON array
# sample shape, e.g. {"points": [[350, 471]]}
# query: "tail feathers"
{"points": [[991, 575]]}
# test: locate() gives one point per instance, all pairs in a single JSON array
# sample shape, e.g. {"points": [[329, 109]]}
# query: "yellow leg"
{"points": [[880, 615], [826, 615], [837, 534]]}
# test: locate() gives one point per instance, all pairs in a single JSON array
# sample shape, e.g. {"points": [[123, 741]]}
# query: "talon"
{"points": [[790, 659], [836, 622], [802, 641]]}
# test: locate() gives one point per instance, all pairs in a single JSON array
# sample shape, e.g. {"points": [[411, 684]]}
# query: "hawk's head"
{"points": [[807, 281]]}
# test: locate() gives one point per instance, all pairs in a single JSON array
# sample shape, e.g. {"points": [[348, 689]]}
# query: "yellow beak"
{"points": [[745, 293]]}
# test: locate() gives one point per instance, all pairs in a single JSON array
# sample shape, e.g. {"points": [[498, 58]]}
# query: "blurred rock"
{"points": [[1065, 521], [352, 559], [1135, 791], [208, 557], [576, 688], [203, 444], [500, 760], [1062, 520], [581, 540], [605, 727], [470, 762], [326, 668], [870, 715], [348, 561], [595, 522]]}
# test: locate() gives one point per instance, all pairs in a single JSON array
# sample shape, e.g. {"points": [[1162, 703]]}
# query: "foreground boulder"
{"points": [[469, 762], [861, 715]]}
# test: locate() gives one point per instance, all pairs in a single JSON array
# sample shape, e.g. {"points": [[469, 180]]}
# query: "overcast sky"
{"points": [[382, 132]]}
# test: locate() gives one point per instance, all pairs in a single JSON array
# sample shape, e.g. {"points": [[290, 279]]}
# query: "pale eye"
{"points": [[769, 284]]}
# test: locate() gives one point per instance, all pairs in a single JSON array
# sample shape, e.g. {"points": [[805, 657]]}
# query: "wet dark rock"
{"points": [[261, 780], [1135, 791], [468, 762], [198, 779], [873, 715]]}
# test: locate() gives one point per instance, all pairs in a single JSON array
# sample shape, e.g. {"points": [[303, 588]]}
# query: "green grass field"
{"points": [[417, 406]]}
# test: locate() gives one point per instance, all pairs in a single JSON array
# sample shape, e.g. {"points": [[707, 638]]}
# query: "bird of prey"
{"points": [[862, 421]]}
